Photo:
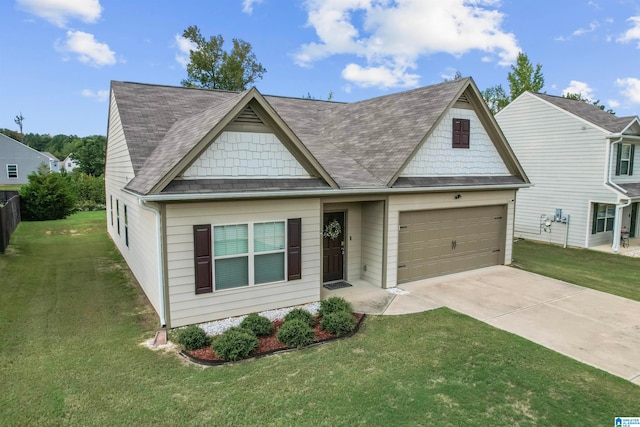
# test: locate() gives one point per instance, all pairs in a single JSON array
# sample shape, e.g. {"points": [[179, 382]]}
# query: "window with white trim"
{"points": [[603, 218], [249, 254], [12, 171], [624, 164]]}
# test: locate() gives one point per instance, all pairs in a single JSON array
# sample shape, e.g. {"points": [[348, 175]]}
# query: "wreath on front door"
{"points": [[332, 230]]}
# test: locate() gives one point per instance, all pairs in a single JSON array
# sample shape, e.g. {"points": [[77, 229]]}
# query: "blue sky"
{"points": [[59, 56]]}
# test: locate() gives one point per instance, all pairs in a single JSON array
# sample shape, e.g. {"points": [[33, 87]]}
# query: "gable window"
{"points": [[461, 132], [603, 218], [246, 254], [12, 171], [624, 164]]}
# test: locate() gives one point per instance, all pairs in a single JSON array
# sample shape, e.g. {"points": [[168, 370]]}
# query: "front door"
{"points": [[333, 246]]}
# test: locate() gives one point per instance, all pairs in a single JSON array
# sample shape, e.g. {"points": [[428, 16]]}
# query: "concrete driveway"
{"points": [[593, 327]]}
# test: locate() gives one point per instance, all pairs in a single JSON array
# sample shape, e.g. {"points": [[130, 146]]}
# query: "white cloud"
{"points": [[392, 36], [88, 50], [630, 89], [184, 47], [59, 12], [592, 27], [613, 103], [581, 88], [247, 5], [632, 33], [99, 96]]}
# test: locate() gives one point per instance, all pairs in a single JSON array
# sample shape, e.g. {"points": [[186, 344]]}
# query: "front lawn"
{"points": [[614, 274], [72, 321]]}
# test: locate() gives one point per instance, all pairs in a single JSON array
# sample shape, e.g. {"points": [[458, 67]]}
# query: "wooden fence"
{"points": [[9, 216]]}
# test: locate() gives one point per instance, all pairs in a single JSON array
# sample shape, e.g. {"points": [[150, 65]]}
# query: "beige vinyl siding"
{"points": [[372, 241], [564, 157], [141, 255], [186, 307], [402, 203]]}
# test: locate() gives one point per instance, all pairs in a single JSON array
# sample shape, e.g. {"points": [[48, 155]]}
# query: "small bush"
{"points": [[47, 196], [259, 325], [334, 305], [296, 333], [192, 337], [339, 323], [300, 314], [235, 344]]}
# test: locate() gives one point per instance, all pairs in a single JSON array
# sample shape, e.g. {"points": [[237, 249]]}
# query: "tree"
{"points": [[596, 103], [211, 67], [47, 196], [456, 76], [90, 155], [19, 119], [522, 77]]}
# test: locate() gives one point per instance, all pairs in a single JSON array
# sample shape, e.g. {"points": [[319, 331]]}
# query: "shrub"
{"points": [[259, 325], [47, 196], [339, 323], [302, 315], [192, 337], [296, 333], [235, 344], [334, 305], [88, 189]]}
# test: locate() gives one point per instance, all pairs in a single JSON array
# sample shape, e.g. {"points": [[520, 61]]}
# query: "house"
{"points": [[225, 203], [581, 162], [54, 162], [18, 161], [68, 164]]}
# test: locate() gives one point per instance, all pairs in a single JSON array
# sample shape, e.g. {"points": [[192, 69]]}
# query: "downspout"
{"points": [[566, 233], [146, 207]]}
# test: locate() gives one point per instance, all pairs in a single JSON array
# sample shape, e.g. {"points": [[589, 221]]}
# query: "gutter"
{"points": [[143, 205], [317, 193]]}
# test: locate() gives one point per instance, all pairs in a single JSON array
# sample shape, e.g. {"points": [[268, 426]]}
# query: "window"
{"points": [[126, 227], [12, 171], [624, 164], [118, 214], [246, 254], [111, 208], [603, 217], [461, 132]]}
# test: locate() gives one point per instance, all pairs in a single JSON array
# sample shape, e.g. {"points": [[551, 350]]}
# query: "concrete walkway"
{"points": [[596, 328]]}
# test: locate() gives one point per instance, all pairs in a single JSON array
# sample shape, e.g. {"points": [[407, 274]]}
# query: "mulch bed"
{"points": [[269, 344]]}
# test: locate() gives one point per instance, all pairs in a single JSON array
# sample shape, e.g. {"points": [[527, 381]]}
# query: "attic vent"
{"points": [[463, 98], [248, 116]]}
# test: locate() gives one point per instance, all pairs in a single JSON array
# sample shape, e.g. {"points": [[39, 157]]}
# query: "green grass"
{"points": [[72, 321], [8, 187], [614, 274]]}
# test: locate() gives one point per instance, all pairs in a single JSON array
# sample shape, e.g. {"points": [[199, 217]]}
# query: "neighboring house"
{"points": [[54, 162], [68, 164], [17, 161], [226, 203], [583, 164]]}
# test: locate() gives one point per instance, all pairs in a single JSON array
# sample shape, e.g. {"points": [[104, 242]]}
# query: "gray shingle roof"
{"points": [[589, 112], [360, 145]]}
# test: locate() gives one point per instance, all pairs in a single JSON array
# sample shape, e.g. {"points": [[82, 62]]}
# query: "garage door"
{"points": [[438, 242]]}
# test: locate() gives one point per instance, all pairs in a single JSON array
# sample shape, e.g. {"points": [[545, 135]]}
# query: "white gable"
{"points": [[246, 155], [436, 157]]}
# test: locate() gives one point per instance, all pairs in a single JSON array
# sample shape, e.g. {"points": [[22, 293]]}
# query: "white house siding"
{"points": [[626, 179], [246, 154], [186, 307], [564, 157], [141, 254], [372, 241], [437, 158], [409, 202]]}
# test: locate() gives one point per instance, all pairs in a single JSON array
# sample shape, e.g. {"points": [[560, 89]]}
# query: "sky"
{"points": [[58, 57]]}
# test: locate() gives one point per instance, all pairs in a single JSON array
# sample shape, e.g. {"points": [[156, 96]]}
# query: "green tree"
{"points": [[522, 77], [596, 103], [47, 196], [90, 155], [211, 67]]}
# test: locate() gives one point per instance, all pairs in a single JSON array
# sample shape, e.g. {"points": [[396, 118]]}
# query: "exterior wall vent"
{"points": [[463, 98], [248, 116]]}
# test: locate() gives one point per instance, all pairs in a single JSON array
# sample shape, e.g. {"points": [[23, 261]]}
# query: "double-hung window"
{"points": [[603, 218], [624, 164], [12, 171], [248, 254]]}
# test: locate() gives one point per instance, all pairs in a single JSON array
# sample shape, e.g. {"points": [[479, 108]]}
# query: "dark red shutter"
{"points": [[294, 249], [203, 259], [461, 132]]}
